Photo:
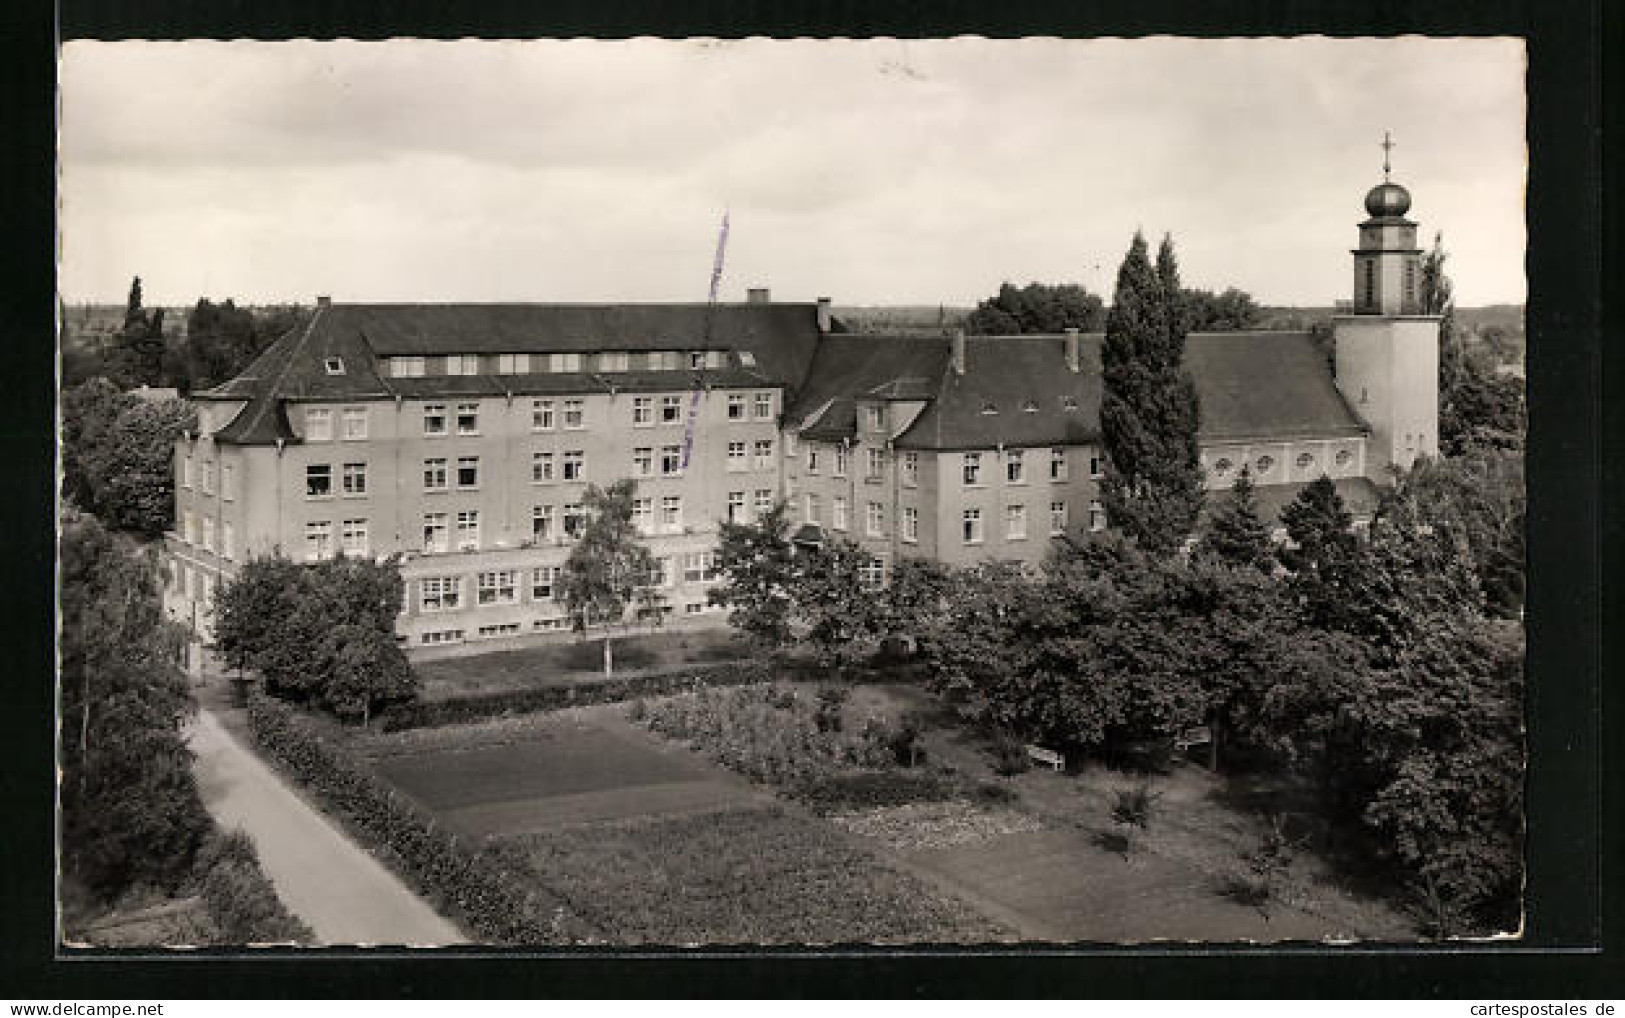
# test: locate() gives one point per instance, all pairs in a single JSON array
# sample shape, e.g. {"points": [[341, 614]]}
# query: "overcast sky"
{"points": [[873, 172]]}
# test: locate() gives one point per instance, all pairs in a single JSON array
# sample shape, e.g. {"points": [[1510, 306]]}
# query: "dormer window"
{"points": [[1029, 407], [696, 360], [747, 359], [1069, 403], [334, 365], [989, 409]]}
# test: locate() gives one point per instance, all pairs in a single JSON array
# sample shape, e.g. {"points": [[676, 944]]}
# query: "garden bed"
{"points": [[567, 663]]}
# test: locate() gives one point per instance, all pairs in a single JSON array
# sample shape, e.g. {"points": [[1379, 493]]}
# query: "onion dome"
{"points": [[1387, 199]]}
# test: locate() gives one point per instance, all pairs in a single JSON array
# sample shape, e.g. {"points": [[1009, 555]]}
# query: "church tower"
{"points": [[1388, 349]]}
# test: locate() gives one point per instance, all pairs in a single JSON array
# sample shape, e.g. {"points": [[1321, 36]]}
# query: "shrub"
{"points": [[480, 882], [241, 902], [996, 793], [831, 700], [1131, 807], [1009, 756], [871, 789]]}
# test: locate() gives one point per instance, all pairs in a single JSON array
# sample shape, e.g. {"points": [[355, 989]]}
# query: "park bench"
{"points": [[1048, 757]]}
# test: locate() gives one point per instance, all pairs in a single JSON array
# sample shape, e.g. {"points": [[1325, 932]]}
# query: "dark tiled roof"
{"points": [[848, 368], [1266, 384]]}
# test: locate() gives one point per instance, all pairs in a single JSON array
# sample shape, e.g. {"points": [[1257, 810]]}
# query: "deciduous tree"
{"points": [[1037, 308], [758, 566], [609, 570]]}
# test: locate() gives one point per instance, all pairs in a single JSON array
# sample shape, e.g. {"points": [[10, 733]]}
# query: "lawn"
{"points": [[562, 663]]}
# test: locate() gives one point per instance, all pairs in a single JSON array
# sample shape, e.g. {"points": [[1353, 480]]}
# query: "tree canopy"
{"points": [[1036, 308], [1235, 533], [758, 567], [609, 571], [118, 455], [1230, 311]]}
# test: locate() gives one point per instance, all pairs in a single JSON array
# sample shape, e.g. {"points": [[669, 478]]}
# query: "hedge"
{"points": [[484, 706], [480, 883], [240, 900]]}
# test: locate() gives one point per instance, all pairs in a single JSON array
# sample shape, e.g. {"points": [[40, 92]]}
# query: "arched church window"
{"points": [[1305, 460], [1264, 464]]}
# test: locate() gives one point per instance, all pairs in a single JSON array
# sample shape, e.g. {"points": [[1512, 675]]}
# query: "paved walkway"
{"points": [[340, 891]]}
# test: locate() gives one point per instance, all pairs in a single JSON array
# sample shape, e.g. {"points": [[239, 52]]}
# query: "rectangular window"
{"points": [[812, 459], [699, 567], [186, 525], [762, 502], [1015, 522], [643, 411], [671, 512], [791, 442], [841, 455], [575, 520], [440, 593], [736, 406], [813, 507], [228, 542], [877, 418], [436, 533], [877, 463], [972, 524], [643, 460], [186, 470], [468, 472], [911, 524], [837, 513], [468, 530], [498, 586], [541, 522], [354, 537], [513, 364], [872, 573], [565, 363], [1097, 517], [434, 474], [696, 360], [468, 418], [1096, 470], [911, 469], [671, 409], [971, 466], [671, 460], [441, 636], [763, 402], [319, 480], [736, 507], [574, 414], [1014, 472], [228, 482], [762, 454], [1057, 464], [643, 515], [665, 574], [1057, 517], [318, 540], [541, 415], [318, 425], [206, 476], [462, 364], [355, 479], [541, 467], [434, 418], [615, 361], [876, 520], [208, 532], [406, 367], [355, 423], [543, 583], [575, 465], [500, 629]]}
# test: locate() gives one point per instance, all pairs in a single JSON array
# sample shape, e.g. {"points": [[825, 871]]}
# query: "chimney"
{"points": [[758, 295], [323, 300], [1073, 356], [823, 314], [959, 351]]}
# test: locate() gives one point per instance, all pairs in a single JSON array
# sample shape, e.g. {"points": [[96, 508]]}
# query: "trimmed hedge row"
{"points": [[484, 706], [483, 884], [240, 900]]}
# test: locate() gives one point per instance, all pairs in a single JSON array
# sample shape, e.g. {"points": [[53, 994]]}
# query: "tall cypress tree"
{"points": [[1152, 490]]}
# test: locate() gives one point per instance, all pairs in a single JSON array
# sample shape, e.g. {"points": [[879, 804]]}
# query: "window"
{"points": [[972, 521], [1410, 281], [1013, 467], [1305, 460], [441, 636], [876, 416], [696, 360], [544, 583], [671, 512], [664, 360], [1057, 465], [643, 459], [616, 361], [693, 607], [1222, 465], [208, 532], [911, 469], [554, 624], [716, 359], [468, 530], [762, 501], [990, 409], [186, 525], [872, 573], [837, 513], [1264, 464], [1343, 458], [575, 520], [699, 567], [353, 537], [736, 507], [813, 508], [318, 425], [1069, 403], [440, 594], [434, 474], [573, 414], [355, 479], [736, 457], [877, 464], [812, 459], [435, 533], [671, 460], [664, 575], [1057, 517], [406, 367], [434, 418], [355, 423], [643, 515], [462, 364], [736, 406], [1370, 266], [513, 364], [499, 586], [1097, 517], [228, 482], [972, 468], [468, 472], [563, 363], [1029, 407], [228, 541], [468, 418], [319, 480], [671, 409], [498, 630], [790, 445], [643, 411], [1015, 522], [541, 523], [763, 403], [575, 465], [841, 456], [762, 453], [1096, 468], [911, 524], [541, 467], [206, 476], [875, 520], [541, 415], [318, 540]]}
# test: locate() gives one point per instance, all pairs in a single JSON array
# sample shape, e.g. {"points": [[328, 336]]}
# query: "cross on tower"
{"points": [[1387, 144]]}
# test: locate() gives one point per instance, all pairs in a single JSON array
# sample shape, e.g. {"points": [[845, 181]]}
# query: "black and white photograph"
{"points": [[812, 493]]}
